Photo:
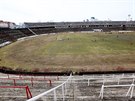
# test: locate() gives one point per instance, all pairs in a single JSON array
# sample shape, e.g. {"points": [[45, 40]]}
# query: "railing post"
{"points": [[20, 76], [55, 98], [129, 90], [132, 91], [93, 76], [133, 80], [14, 82], [8, 76], [28, 90], [57, 77], [63, 93], [32, 81], [113, 76], [122, 75], [103, 81], [83, 77], [65, 88], [133, 75], [118, 80], [102, 92], [88, 81], [50, 82], [103, 76]]}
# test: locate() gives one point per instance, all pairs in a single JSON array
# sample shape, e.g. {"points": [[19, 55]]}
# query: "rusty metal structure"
{"points": [[84, 26]]}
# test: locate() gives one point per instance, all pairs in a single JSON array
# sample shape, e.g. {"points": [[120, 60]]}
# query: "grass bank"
{"points": [[72, 52]]}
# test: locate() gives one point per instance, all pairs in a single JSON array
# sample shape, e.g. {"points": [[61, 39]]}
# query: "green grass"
{"points": [[72, 51]]}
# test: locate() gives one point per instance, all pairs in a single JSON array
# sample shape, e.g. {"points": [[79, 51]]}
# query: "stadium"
{"points": [[97, 56], [67, 50], [62, 46]]}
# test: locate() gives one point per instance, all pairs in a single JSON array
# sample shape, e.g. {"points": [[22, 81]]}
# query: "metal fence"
{"points": [[63, 86]]}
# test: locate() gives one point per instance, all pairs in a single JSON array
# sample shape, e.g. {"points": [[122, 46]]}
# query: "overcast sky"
{"points": [[65, 10]]}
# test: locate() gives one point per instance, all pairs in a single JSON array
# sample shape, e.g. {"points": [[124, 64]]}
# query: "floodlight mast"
{"points": [[133, 18], [130, 18], [133, 10]]}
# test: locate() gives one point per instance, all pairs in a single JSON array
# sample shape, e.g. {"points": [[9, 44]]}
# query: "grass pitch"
{"points": [[79, 51]]}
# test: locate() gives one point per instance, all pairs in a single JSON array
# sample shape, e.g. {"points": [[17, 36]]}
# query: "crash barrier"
{"points": [[30, 79], [114, 78], [28, 92], [64, 91], [32, 76], [129, 92], [111, 78]]}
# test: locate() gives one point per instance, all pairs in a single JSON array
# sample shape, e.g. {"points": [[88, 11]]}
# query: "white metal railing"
{"points": [[63, 85], [104, 78], [130, 90], [117, 78]]}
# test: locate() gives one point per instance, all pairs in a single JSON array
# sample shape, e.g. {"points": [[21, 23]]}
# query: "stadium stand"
{"points": [[26, 31], [10, 35], [31, 29], [43, 30]]}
